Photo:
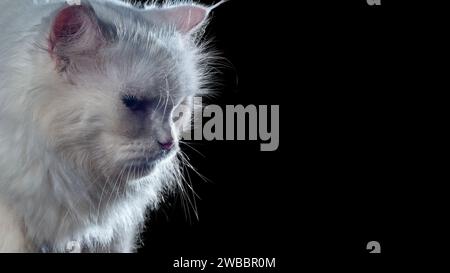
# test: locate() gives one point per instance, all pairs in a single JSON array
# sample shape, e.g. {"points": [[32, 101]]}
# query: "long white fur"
{"points": [[44, 202]]}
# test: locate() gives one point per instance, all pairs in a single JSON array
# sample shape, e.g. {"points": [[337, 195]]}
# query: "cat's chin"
{"points": [[139, 170]]}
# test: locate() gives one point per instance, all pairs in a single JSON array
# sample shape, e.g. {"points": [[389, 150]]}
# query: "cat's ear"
{"points": [[186, 18], [75, 31]]}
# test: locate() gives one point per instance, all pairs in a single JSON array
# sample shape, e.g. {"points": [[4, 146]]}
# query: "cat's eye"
{"points": [[135, 104]]}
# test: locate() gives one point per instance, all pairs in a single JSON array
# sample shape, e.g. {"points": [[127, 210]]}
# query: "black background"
{"points": [[355, 84], [341, 176]]}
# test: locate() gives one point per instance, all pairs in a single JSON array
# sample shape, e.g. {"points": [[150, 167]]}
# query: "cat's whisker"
{"points": [[190, 146]]}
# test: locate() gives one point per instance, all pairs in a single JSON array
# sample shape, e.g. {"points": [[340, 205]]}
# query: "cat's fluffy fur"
{"points": [[65, 135]]}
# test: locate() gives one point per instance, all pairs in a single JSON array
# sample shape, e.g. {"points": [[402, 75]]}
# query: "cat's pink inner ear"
{"points": [[186, 18], [74, 25]]}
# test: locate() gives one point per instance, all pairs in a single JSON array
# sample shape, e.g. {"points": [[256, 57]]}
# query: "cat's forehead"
{"points": [[151, 72], [155, 87], [144, 58], [153, 66]]}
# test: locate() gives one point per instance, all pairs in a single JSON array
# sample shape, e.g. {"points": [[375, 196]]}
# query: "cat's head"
{"points": [[121, 76]]}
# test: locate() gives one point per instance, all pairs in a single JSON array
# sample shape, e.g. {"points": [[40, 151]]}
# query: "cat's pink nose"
{"points": [[167, 145]]}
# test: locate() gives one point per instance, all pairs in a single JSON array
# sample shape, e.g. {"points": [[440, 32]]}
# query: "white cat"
{"points": [[88, 138]]}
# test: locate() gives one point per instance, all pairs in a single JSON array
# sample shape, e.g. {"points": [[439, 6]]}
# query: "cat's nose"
{"points": [[167, 145]]}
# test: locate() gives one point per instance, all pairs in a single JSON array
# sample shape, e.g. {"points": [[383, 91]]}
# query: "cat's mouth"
{"points": [[141, 167]]}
